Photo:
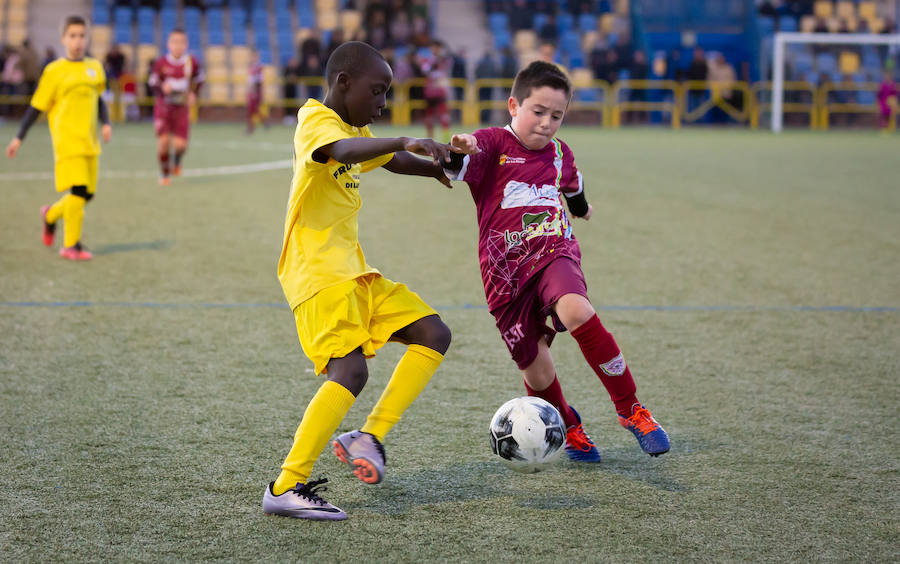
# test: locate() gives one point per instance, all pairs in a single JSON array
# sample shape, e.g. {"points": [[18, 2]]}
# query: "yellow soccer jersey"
{"points": [[68, 92], [321, 233]]}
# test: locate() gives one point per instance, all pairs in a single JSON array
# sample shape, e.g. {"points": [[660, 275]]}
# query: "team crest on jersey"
{"points": [[92, 73], [615, 367], [506, 159]]}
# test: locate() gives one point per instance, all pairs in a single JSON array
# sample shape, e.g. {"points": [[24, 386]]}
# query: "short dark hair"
{"points": [[537, 74], [73, 20], [177, 30], [352, 57]]}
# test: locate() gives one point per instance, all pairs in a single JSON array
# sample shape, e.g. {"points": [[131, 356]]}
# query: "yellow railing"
{"points": [[681, 102]]}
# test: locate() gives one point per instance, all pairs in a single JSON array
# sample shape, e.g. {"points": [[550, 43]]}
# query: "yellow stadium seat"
{"points": [[101, 35], [147, 52], [218, 92], [18, 4], [215, 55], [849, 62], [16, 35], [301, 35], [846, 9], [524, 40], [351, 21], [582, 78], [240, 57], [622, 7], [823, 9], [834, 24], [239, 91], [852, 24], [270, 73], [876, 25], [607, 21], [327, 20], [326, 6], [16, 17], [867, 10], [807, 24], [217, 73]]}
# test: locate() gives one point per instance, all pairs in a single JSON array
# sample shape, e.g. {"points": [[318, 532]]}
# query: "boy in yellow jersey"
{"points": [[69, 90], [344, 309]]}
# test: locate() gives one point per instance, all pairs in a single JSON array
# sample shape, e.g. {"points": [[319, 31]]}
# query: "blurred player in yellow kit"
{"points": [[69, 91]]}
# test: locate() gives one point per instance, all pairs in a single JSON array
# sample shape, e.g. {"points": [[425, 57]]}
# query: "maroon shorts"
{"points": [[523, 321], [171, 120], [253, 103], [437, 107]]}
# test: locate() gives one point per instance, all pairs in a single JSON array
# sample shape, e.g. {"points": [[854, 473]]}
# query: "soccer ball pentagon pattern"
{"points": [[527, 433]]}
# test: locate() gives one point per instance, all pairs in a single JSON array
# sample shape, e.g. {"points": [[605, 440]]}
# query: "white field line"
{"points": [[194, 172]]}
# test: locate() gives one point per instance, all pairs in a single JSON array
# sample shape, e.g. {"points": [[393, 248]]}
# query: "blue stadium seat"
{"points": [[540, 20], [787, 23], [167, 21], [766, 26], [238, 16], [502, 40], [146, 18], [122, 19], [863, 96], [100, 12], [498, 21], [265, 56], [238, 35], [587, 22], [570, 42], [826, 62], [603, 7], [565, 22]]}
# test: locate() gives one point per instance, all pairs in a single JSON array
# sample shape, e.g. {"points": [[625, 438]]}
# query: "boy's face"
{"points": [[74, 39], [537, 119], [366, 95], [177, 44]]}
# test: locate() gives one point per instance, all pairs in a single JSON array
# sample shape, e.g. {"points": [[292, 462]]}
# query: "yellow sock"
{"points": [[409, 379], [56, 210], [324, 413], [73, 215]]}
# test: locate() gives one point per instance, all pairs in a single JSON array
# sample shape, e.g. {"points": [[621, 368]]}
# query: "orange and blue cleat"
{"points": [[579, 446], [49, 228], [649, 434], [176, 171], [363, 453]]}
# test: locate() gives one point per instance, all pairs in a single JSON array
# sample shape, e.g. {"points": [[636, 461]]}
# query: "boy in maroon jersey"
{"points": [[175, 80], [435, 67], [530, 260], [254, 92]]}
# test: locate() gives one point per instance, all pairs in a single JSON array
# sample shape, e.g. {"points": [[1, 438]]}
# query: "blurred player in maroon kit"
{"points": [[254, 93], [175, 79], [435, 67]]}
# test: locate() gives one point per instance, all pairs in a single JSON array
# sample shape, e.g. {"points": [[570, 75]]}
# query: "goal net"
{"points": [[817, 56]]}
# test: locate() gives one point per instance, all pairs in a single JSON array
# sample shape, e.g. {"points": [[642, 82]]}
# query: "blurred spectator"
{"points": [[114, 63], [49, 57], [639, 70], [312, 66], [509, 67], [312, 45], [623, 51], [520, 16], [400, 29], [607, 68], [549, 33], [674, 67], [887, 100], [13, 77], [458, 70], [377, 31], [767, 8], [435, 67], [292, 71], [547, 52], [337, 37], [722, 77], [31, 66], [486, 68], [697, 71]]}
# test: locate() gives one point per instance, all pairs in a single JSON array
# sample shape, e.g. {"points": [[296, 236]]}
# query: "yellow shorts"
{"points": [[363, 312], [76, 171]]}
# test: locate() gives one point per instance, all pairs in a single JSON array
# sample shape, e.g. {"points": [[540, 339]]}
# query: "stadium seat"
{"points": [[826, 62], [524, 40], [787, 23], [100, 37], [587, 22], [565, 22], [328, 20], [351, 21], [99, 13], [876, 25], [808, 23], [622, 7], [607, 21], [589, 41], [846, 9], [766, 26], [240, 57], [849, 62], [867, 10], [823, 9], [145, 54], [498, 21]]}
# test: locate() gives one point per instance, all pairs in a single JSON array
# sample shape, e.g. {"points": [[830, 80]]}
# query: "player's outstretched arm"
{"points": [[359, 149], [31, 115], [406, 163]]}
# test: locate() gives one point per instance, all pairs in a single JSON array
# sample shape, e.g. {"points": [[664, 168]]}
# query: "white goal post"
{"points": [[783, 38]]}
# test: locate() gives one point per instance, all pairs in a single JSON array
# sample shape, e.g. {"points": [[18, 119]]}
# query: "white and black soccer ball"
{"points": [[527, 433]]}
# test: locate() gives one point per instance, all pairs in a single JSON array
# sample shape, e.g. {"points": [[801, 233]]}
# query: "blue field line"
{"points": [[601, 307]]}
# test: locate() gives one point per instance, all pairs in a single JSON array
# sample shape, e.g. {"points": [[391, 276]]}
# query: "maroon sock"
{"points": [[553, 394], [164, 163], [604, 357]]}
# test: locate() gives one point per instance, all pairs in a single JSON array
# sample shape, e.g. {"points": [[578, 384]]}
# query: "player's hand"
{"points": [[166, 88], [439, 152], [442, 178], [191, 98], [464, 143], [13, 147], [106, 133], [589, 213]]}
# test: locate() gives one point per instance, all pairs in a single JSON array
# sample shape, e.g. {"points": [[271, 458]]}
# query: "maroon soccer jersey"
{"points": [[522, 224], [183, 75]]}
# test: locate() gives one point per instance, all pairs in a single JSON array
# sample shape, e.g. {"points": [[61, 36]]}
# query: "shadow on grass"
{"points": [[158, 245]]}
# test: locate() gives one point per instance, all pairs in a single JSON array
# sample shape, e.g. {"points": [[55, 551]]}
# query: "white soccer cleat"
{"points": [[302, 502], [363, 453]]}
